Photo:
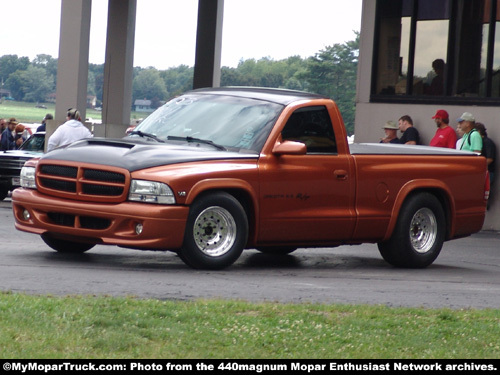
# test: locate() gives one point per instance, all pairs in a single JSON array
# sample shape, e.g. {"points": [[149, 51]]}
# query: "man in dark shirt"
{"points": [[489, 150], [42, 127], [410, 134]]}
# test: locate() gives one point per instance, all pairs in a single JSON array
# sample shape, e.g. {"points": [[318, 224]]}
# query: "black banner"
{"points": [[257, 366]]}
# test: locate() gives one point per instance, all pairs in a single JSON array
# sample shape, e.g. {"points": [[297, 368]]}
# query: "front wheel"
{"points": [[216, 232], [419, 233], [64, 246]]}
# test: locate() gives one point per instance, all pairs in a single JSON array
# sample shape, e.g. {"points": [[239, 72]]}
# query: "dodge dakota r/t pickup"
{"points": [[217, 171]]}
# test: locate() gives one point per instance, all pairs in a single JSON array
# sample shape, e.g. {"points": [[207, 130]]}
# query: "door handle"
{"points": [[340, 174]]}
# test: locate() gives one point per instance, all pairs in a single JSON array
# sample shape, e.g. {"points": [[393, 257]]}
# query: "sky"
{"points": [[166, 29]]}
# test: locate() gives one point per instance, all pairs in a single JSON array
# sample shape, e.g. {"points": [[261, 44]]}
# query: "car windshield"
{"points": [[227, 121], [34, 143]]}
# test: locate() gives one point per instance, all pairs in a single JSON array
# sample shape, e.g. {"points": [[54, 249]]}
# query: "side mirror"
{"points": [[290, 148]]}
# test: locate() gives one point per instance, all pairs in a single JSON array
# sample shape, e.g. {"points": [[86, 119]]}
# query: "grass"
{"points": [[106, 327], [28, 113]]}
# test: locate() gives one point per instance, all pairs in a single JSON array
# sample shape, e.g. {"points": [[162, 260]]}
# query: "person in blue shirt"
{"points": [[41, 128], [10, 140]]}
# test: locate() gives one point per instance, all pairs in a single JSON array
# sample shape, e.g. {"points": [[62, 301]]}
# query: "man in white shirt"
{"points": [[71, 131]]}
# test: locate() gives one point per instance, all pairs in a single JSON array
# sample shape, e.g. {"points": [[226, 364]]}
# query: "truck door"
{"points": [[307, 198]]}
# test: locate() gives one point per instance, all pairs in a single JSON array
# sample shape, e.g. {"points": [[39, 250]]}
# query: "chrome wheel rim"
{"points": [[423, 230], [214, 231]]}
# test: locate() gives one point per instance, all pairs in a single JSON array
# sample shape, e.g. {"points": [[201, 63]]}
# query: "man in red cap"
{"points": [[445, 135]]}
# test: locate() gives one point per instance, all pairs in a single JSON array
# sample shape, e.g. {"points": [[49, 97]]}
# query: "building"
{"points": [[143, 105], [418, 56]]}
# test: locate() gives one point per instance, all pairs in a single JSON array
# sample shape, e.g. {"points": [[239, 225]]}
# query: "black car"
{"points": [[12, 161]]}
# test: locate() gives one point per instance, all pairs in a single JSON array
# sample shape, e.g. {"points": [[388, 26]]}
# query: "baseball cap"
{"points": [[19, 129], [442, 114], [466, 116]]}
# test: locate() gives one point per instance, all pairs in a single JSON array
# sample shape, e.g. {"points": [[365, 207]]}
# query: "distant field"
{"points": [[27, 112]]}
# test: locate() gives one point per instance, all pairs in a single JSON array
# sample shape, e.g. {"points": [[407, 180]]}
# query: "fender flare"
{"points": [[228, 184], [428, 185]]}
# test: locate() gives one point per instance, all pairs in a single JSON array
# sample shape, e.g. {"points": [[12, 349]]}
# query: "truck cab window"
{"points": [[311, 126]]}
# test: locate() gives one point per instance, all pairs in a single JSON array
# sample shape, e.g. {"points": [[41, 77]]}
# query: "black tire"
{"points": [[419, 233], [67, 247], [276, 250], [4, 191], [216, 232]]}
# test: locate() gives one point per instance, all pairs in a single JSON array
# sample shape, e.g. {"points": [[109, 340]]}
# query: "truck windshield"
{"points": [[228, 121]]}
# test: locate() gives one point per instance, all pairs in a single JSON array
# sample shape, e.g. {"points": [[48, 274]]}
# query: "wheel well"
{"points": [[443, 199], [246, 202]]}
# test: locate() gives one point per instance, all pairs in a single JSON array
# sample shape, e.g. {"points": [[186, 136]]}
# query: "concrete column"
{"points": [[208, 44], [118, 67], [73, 61]]}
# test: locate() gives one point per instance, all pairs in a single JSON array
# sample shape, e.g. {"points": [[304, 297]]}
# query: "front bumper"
{"points": [[100, 223]]}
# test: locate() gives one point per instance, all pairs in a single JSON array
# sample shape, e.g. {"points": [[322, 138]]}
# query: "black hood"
{"points": [[135, 154]]}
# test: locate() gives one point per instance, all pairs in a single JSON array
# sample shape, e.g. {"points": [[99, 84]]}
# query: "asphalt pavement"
{"points": [[465, 275]]}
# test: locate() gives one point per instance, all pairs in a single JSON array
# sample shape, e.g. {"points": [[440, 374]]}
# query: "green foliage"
{"points": [[178, 80], [148, 84], [10, 64], [105, 327], [332, 72], [36, 84]]}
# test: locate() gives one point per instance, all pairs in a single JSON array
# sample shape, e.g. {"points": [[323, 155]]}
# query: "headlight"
{"points": [[28, 177], [150, 192]]}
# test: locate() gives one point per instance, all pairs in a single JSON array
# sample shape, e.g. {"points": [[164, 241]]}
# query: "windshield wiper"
{"points": [[146, 135], [196, 140]]}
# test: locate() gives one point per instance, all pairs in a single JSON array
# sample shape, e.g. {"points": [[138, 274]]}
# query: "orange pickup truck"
{"points": [[217, 171]]}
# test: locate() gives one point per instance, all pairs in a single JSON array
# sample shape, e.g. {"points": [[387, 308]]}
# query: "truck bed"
{"points": [[395, 149]]}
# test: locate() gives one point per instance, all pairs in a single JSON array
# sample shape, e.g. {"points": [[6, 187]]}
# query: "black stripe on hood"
{"points": [[139, 154]]}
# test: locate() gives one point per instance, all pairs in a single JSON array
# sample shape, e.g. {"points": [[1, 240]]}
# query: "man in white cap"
{"points": [[391, 133], [471, 141], [71, 131]]}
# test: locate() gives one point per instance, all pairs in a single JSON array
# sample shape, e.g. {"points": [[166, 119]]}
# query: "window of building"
{"points": [[437, 50]]}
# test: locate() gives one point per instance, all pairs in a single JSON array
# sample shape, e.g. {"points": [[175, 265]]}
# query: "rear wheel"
{"points": [[64, 246], [216, 232], [419, 233]]}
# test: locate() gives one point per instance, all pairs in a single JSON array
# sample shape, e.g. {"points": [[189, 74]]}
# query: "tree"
{"points": [[178, 79], [148, 84], [332, 72], [10, 64], [96, 80], [46, 62], [35, 84]]}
